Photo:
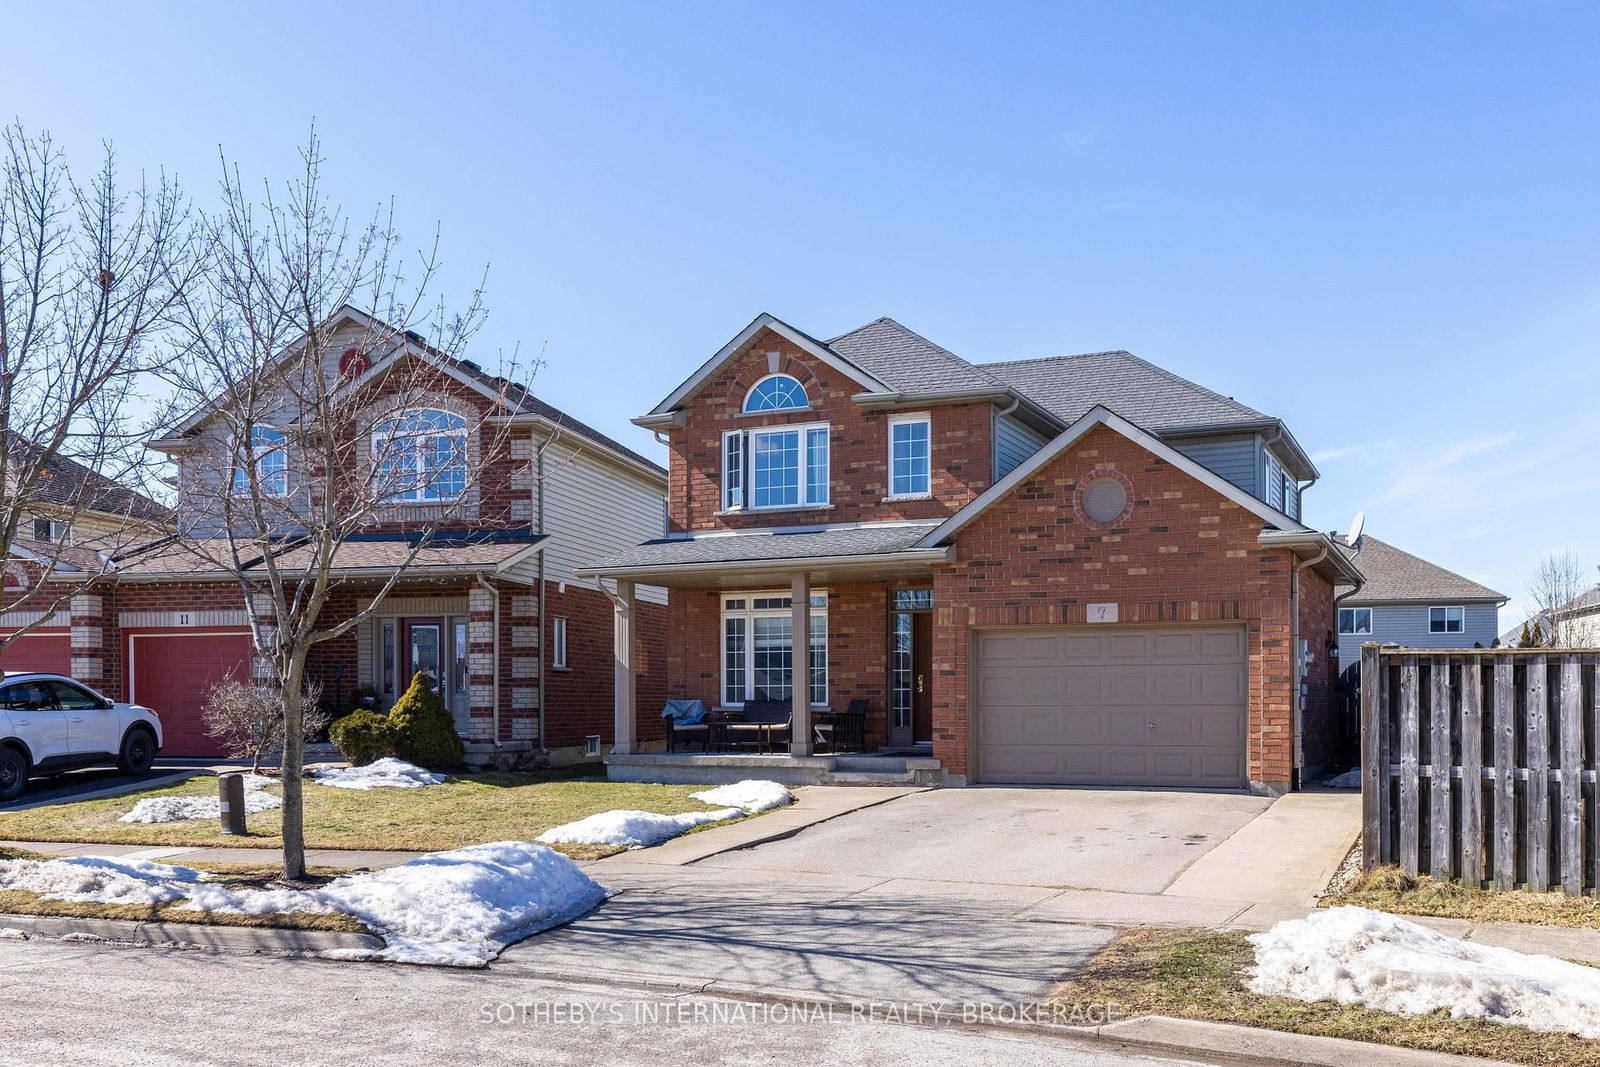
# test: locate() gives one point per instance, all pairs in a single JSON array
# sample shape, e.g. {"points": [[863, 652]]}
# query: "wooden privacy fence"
{"points": [[1481, 765]]}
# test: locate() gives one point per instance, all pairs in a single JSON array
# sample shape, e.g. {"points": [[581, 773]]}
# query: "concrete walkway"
{"points": [[1286, 855]]}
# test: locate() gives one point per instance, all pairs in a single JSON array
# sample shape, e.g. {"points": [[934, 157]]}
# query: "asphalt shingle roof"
{"points": [[69, 484], [178, 557], [1070, 386], [907, 360], [742, 548], [1396, 575]]}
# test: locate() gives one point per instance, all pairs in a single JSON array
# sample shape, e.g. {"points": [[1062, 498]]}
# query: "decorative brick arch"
{"points": [[757, 364]]}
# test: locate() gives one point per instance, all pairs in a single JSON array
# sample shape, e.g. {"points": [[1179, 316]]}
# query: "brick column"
{"points": [[480, 665], [520, 662], [88, 637]]}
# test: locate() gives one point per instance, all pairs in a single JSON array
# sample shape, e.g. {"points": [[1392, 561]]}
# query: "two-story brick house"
{"points": [[492, 606], [1081, 570]]}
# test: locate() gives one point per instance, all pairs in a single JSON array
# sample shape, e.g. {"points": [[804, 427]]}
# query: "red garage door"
{"points": [[173, 672], [38, 652]]}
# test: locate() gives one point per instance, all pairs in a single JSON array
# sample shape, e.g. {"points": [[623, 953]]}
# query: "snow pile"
{"points": [[176, 809], [81, 879], [752, 795], [632, 829], [11, 933], [386, 773], [1350, 779], [457, 908], [1359, 956]]}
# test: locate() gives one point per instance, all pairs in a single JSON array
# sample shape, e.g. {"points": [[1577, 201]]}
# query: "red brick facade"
{"points": [[961, 442], [1184, 553]]}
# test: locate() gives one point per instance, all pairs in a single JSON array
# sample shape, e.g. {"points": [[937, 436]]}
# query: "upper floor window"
{"points": [[777, 392], [909, 473], [421, 455], [1355, 620], [781, 468], [271, 459], [1451, 620], [52, 531]]}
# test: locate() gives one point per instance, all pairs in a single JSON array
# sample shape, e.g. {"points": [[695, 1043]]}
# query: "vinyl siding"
{"points": [[1232, 456], [593, 510], [1013, 443], [1407, 624]]}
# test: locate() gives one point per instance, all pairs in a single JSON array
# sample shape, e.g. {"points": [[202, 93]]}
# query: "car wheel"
{"points": [[13, 773], [138, 752]]}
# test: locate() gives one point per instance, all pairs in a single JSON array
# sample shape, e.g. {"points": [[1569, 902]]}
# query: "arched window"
{"points": [[420, 455], [271, 459], [777, 392]]}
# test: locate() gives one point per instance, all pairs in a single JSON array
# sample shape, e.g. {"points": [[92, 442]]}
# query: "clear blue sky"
{"points": [[1380, 222]]}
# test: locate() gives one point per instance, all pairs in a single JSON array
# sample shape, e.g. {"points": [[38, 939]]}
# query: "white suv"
{"points": [[50, 723]]}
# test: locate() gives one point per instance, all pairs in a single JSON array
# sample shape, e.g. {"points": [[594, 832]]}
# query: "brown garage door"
{"points": [[1163, 706]]}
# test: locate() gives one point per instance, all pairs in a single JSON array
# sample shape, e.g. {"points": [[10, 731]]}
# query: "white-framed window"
{"points": [[910, 472], [558, 643], [1355, 620], [782, 467], [420, 455], [267, 450], [758, 647], [1448, 620], [52, 531], [776, 392]]}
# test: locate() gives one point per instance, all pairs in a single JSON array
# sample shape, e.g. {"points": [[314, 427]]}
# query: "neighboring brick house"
{"points": [[1079, 570], [74, 519], [491, 606], [1408, 601]]}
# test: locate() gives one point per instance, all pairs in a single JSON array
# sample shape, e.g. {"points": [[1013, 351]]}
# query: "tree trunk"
{"points": [[294, 752]]}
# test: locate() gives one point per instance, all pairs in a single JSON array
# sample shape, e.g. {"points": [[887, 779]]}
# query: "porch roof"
{"points": [[199, 558], [864, 552]]}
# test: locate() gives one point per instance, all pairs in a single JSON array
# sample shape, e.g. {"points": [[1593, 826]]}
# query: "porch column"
{"points": [[623, 731], [800, 665]]}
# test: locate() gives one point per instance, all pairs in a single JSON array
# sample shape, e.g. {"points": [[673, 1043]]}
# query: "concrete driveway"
{"points": [[1121, 840]]}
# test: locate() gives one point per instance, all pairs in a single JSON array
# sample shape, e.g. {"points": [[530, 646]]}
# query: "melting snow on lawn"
{"points": [[632, 829], [752, 795], [386, 773], [640, 829], [456, 908], [1371, 958], [176, 809], [82, 879]]}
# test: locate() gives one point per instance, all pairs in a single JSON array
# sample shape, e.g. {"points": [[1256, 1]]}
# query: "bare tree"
{"points": [[1561, 591], [301, 428], [248, 719], [88, 272]]}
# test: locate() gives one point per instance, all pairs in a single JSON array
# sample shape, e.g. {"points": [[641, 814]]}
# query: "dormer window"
{"points": [[267, 453], [777, 392], [421, 455]]}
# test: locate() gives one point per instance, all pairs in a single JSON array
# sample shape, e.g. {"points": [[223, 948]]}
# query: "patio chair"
{"points": [[687, 724], [763, 723], [842, 731]]}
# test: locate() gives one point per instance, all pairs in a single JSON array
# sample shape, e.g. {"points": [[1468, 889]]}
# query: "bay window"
{"points": [[778, 468], [758, 648]]}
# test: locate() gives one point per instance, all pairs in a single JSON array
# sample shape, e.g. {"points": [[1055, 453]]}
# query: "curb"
{"points": [[251, 939]]}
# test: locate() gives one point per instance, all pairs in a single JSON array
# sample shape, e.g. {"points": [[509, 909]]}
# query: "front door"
{"points": [[910, 660], [423, 649]]}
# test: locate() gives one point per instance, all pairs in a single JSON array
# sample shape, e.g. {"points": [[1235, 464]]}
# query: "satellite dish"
{"points": [[1357, 524]]}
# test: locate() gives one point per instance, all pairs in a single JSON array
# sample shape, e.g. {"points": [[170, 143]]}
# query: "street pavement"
{"points": [[97, 1005]]}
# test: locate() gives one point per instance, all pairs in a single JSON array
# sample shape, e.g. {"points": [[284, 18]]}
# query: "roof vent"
{"points": [[471, 366], [417, 337]]}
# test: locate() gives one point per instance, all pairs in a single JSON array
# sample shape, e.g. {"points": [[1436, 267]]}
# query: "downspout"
{"points": [[494, 702], [1297, 734], [538, 482]]}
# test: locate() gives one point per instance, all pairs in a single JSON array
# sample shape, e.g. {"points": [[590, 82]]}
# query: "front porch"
{"points": [[864, 660]]}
